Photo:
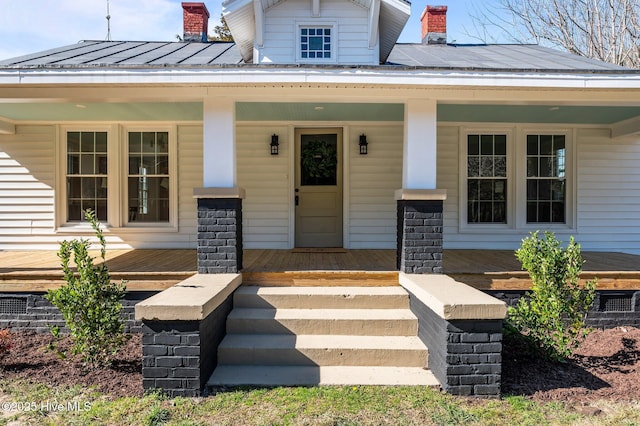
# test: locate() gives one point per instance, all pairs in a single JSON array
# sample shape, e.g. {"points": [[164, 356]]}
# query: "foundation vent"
{"points": [[615, 303], [13, 305]]}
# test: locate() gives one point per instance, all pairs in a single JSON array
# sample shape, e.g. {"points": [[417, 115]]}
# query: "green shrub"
{"points": [[553, 313], [90, 303]]}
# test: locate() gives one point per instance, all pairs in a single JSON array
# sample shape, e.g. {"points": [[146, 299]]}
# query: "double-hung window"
{"points": [[546, 178], [125, 174], [149, 181], [86, 174], [487, 178], [518, 178]]}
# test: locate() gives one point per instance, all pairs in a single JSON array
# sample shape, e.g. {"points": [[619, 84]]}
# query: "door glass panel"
{"points": [[319, 160]]}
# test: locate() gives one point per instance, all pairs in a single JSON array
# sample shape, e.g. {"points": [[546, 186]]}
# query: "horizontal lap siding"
{"points": [[265, 178], [27, 194], [373, 180], [608, 191], [280, 40], [26, 185]]}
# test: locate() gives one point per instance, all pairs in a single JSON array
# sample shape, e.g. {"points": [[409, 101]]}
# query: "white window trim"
{"points": [[521, 167], [463, 192], [316, 24], [173, 178], [61, 176], [117, 174]]}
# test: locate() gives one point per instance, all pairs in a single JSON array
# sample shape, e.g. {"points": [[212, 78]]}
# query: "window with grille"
{"points": [[546, 179], [487, 178], [148, 179], [316, 43], [86, 176]]}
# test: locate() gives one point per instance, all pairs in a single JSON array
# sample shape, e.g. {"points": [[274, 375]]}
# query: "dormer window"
{"points": [[316, 43]]}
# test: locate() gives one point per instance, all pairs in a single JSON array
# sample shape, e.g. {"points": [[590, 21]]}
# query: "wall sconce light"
{"points": [[274, 144], [364, 150]]}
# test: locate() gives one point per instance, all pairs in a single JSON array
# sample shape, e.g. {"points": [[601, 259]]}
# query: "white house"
{"points": [[520, 137], [315, 128]]}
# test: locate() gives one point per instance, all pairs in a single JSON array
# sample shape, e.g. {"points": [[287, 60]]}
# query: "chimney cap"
{"points": [[195, 7]]}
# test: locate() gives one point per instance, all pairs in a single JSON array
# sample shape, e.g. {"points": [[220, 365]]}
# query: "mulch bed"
{"points": [[29, 359], [606, 366]]}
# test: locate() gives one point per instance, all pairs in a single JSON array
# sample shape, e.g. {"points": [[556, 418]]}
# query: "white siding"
{"points": [[351, 25], [26, 184], [608, 191], [265, 178], [607, 186], [27, 195], [373, 180]]}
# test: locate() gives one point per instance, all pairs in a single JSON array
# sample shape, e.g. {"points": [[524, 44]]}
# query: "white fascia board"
{"points": [[374, 22], [230, 6], [258, 12], [358, 76], [402, 6]]}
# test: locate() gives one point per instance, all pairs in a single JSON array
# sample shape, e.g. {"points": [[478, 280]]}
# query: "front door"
{"points": [[318, 188]]}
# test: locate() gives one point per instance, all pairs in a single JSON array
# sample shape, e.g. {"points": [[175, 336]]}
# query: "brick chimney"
{"points": [[434, 25], [195, 18]]}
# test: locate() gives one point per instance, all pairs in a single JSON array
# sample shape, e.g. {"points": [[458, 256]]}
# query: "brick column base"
{"points": [[178, 357], [219, 230], [419, 240], [464, 355]]}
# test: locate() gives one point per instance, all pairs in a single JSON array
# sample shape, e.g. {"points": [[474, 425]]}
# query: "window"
{"points": [[546, 178], [316, 43], [135, 188], [148, 179], [86, 175], [487, 178]]}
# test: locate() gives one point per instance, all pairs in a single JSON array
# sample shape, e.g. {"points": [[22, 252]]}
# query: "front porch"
{"points": [[156, 270]]}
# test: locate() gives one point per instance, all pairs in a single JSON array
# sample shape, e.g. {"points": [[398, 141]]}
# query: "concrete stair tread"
{"points": [[317, 341], [321, 314], [321, 291], [243, 375], [321, 297]]}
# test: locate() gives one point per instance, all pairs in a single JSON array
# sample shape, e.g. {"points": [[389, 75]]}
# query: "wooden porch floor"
{"points": [[152, 270]]}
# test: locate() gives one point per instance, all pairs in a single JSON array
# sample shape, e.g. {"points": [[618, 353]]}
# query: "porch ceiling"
{"points": [[536, 113], [125, 111], [315, 111], [318, 111]]}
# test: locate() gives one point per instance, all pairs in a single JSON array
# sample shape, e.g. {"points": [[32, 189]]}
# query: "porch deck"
{"points": [[154, 270]]}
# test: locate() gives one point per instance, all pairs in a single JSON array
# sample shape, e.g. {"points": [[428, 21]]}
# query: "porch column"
{"points": [[420, 204], [220, 201]]}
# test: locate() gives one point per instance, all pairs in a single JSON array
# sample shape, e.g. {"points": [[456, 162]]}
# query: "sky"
{"points": [[28, 26]]}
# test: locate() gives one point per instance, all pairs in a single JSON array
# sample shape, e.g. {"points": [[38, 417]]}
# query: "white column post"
{"points": [[419, 161], [219, 143]]}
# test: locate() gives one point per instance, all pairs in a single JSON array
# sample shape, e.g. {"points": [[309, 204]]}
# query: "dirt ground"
{"points": [[606, 366], [29, 359]]}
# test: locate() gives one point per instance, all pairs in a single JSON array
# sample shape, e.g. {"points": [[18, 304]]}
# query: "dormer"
{"points": [[340, 32]]}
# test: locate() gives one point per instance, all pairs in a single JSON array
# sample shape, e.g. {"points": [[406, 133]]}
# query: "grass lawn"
{"points": [[25, 403]]}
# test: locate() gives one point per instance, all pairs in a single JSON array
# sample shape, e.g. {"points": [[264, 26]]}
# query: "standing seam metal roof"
{"points": [[115, 54]]}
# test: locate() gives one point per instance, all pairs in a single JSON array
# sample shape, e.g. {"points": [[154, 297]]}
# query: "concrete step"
{"points": [[243, 375], [372, 322], [322, 350], [321, 297]]}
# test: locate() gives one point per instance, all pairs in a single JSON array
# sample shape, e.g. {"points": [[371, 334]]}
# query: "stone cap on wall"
{"points": [[234, 192], [421, 194], [190, 300], [452, 300]]}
